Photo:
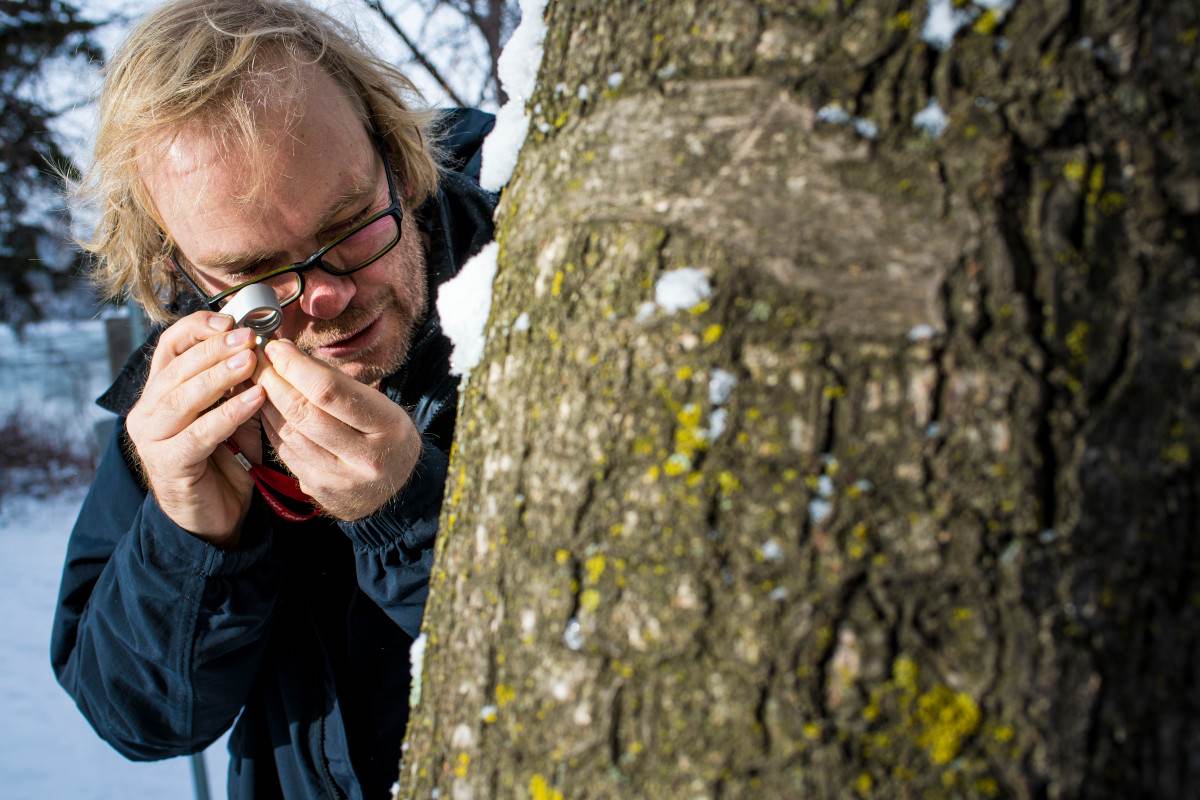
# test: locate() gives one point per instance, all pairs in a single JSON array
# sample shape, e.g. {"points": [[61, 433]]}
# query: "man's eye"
{"points": [[342, 227]]}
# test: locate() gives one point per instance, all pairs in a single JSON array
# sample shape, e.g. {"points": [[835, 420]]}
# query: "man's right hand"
{"points": [[178, 433]]}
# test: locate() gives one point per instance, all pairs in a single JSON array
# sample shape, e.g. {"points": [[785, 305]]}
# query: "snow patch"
{"points": [[931, 119], [416, 655], [681, 289], [819, 510], [720, 386], [771, 551], [463, 303], [920, 333], [716, 423], [518, 67], [944, 22], [573, 635]]}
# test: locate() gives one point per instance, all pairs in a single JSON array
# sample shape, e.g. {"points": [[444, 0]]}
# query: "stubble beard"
{"points": [[404, 302]]}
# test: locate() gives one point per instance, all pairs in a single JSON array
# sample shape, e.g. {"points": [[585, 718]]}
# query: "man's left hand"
{"points": [[350, 447]]}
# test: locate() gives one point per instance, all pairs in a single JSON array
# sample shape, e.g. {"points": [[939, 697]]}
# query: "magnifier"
{"points": [[256, 307]]}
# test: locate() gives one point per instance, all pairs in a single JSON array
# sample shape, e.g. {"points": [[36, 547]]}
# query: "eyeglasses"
{"points": [[357, 248]]}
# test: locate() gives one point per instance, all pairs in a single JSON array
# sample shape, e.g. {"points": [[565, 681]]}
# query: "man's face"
{"points": [[323, 174]]}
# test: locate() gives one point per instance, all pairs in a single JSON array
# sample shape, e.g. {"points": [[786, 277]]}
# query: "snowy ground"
{"points": [[47, 749]]}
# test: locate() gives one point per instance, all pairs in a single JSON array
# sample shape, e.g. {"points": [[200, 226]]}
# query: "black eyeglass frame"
{"points": [[394, 209]]}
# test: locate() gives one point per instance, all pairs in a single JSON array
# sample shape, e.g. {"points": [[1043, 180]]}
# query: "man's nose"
{"points": [[326, 296]]}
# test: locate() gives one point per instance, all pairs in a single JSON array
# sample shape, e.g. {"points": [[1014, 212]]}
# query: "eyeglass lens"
{"points": [[354, 252]]}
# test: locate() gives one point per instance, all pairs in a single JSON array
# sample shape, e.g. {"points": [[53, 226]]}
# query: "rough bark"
{"points": [[948, 561]]}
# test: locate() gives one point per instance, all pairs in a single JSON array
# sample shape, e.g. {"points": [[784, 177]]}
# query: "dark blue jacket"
{"points": [[304, 629]]}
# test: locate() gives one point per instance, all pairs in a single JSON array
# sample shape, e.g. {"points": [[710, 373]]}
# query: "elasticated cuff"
{"points": [[174, 548], [410, 517]]}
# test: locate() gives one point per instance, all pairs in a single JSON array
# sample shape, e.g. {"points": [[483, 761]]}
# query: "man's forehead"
{"points": [[298, 111]]}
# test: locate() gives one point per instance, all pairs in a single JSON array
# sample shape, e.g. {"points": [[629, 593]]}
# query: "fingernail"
{"points": [[252, 395], [240, 336], [238, 361], [220, 322]]}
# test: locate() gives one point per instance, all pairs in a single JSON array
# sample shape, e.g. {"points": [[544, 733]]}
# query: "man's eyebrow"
{"points": [[357, 193]]}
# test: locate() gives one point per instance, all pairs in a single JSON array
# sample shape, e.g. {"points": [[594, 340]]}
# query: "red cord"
{"points": [[270, 481]]}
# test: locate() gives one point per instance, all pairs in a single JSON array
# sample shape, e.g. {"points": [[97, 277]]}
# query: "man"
{"points": [[247, 142]]}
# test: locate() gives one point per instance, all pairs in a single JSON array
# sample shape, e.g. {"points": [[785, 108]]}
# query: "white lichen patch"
{"points": [[819, 510], [615, 80], [521, 323]]}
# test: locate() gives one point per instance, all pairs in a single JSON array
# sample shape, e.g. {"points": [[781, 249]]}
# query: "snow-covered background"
{"points": [[47, 749]]}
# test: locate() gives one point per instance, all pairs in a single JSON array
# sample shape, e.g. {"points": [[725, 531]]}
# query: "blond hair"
{"points": [[206, 61]]}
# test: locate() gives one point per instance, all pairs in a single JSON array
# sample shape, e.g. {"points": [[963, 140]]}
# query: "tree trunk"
{"points": [[945, 545]]}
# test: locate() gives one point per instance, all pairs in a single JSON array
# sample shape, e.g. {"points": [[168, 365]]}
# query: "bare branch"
{"points": [[425, 63]]}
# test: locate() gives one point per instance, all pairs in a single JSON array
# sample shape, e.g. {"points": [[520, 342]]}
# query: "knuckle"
{"points": [[297, 414], [325, 390]]}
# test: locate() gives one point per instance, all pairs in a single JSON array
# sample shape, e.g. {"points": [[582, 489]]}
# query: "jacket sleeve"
{"points": [[393, 547], [157, 634]]}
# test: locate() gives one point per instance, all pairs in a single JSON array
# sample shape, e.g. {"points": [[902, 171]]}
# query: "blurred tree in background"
{"points": [[35, 264]]}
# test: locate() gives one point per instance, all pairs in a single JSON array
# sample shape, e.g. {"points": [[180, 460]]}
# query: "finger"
{"points": [[328, 388], [198, 358], [186, 332], [290, 411], [301, 455], [180, 406], [198, 440]]}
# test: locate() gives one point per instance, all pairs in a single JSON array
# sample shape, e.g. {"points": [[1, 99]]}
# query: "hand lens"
{"points": [[256, 307]]}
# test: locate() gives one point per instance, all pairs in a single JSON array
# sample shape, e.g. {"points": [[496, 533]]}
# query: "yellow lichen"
{"points": [[589, 600], [1075, 171], [556, 284], [1177, 453], [594, 567], [1003, 733], [1077, 340], [863, 784], [712, 333], [946, 719], [683, 373], [462, 765], [540, 789], [986, 24], [505, 694]]}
